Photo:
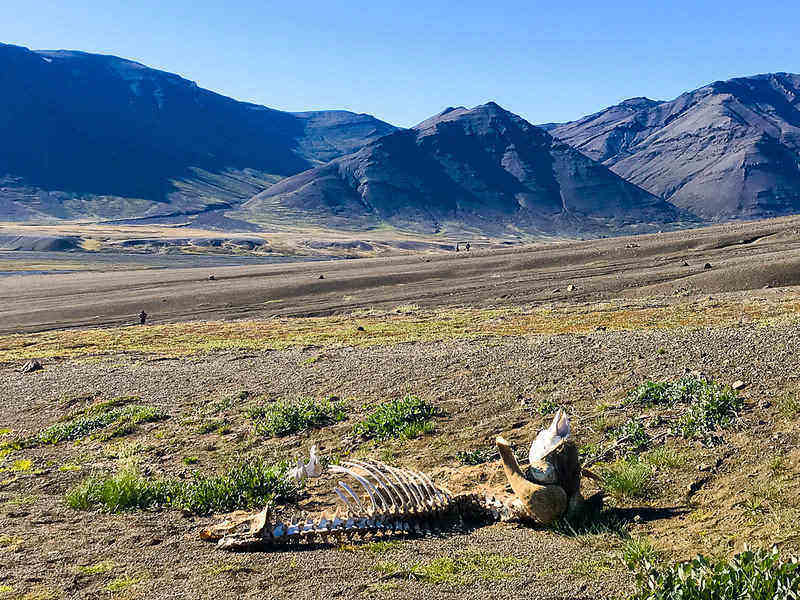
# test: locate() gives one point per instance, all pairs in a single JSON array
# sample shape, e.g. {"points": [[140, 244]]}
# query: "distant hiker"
{"points": [[467, 246], [142, 318]]}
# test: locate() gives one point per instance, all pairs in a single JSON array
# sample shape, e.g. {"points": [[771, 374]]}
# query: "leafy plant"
{"points": [[247, 484], [117, 420], [751, 575], [710, 406], [281, 418], [548, 407], [633, 434], [478, 456], [406, 418], [713, 408]]}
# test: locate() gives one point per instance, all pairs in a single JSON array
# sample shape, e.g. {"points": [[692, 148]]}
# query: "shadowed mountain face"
{"points": [[483, 169], [728, 150], [86, 134]]}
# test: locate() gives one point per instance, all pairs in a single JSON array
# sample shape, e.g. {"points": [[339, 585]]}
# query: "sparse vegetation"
{"points": [[282, 417], [97, 568], [185, 339], [247, 484], [548, 407], [636, 550], [106, 419], [627, 477], [707, 405], [750, 575], [789, 405], [633, 435], [406, 418], [466, 568], [478, 456]]}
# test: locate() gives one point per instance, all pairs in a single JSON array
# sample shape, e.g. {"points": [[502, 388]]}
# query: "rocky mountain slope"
{"points": [[92, 135], [728, 150], [482, 169]]}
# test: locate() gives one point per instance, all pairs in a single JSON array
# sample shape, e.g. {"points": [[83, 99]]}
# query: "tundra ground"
{"points": [[490, 372]]}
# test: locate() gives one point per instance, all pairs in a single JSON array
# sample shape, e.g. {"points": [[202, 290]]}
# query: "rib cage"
{"points": [[399, 502]]}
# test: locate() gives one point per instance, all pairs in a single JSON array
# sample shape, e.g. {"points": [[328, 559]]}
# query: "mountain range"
{"points": [[729, 150], [101, 138], [482, 169], [87, 135]]}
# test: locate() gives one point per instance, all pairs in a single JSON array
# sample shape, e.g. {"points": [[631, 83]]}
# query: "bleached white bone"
{"points": [[385, 500], [549, 438], [350, 506], [354, 496], [368, 487], [385, 485], [313, 467], [410, 499]]}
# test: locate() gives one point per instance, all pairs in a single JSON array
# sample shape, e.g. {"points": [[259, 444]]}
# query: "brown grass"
{"points": [[395, 327]]}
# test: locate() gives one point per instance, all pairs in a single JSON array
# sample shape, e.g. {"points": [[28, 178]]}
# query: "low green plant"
{"points": [[664, 457], [628, 477], [97, 568], [406, 418], [282, 417], [247, 484], [636, 550], [633, 435], [708, 405], [750, 575], [548, 407], [714, 408], [789, 405], [466, 568], [116, 421], [478, 456]]}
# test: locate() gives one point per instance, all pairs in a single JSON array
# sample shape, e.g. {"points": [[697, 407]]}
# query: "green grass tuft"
{"points": [[281, 418], [406, 418], [629, 478], [247, 484], [750, 575], [637, 550]]}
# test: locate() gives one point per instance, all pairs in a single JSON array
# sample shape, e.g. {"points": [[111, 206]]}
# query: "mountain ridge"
{"points": [[83, 130], [727, 150], [482, 169]]}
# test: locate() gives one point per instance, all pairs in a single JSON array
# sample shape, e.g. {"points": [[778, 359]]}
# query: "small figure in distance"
{"points": [[142, 318], [467, 246]]}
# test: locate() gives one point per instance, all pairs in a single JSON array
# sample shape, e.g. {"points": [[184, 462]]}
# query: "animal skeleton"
{"points": [[391, 500]]}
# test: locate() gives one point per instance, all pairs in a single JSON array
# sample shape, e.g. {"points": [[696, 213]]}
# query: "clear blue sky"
{"points": [[404, 61]]}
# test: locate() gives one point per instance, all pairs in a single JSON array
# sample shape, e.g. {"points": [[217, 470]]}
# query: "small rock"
{"points": [[570, 288], [31, 366], [738, 385], [707, 266], [212, 277], [685, 264], [600, 328], [703, 467]]}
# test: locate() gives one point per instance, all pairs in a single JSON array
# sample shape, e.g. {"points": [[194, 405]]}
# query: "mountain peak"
{"points": [[480, 169], [726, 150]]}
